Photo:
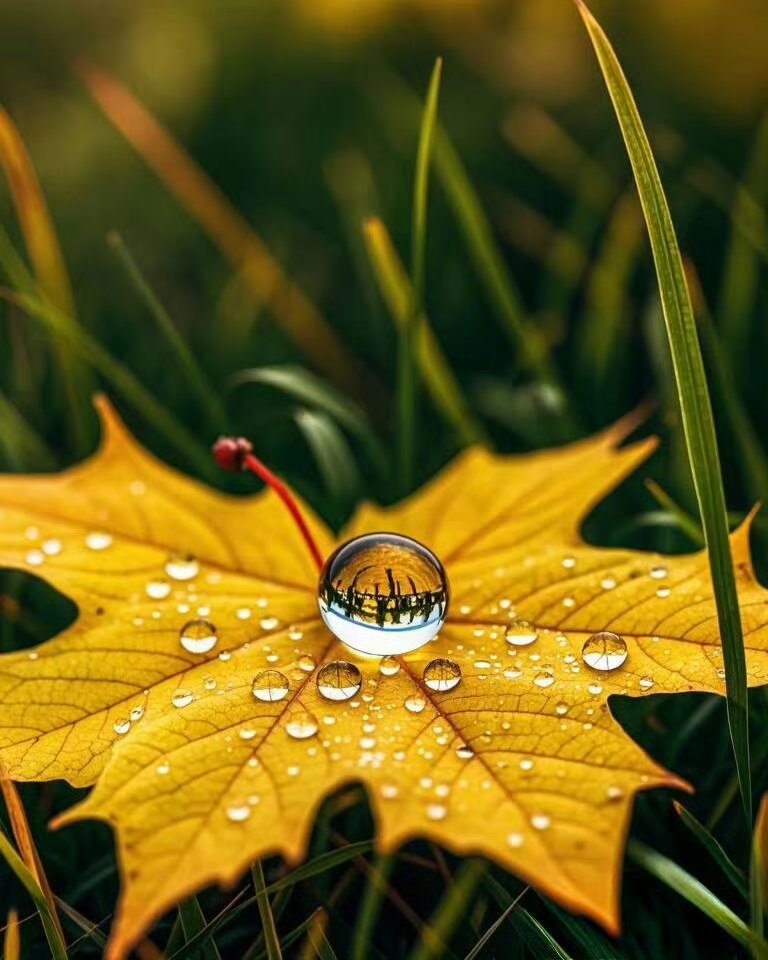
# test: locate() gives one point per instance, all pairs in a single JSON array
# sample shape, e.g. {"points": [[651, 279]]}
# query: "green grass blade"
{"points": [[27, 880], [290, 938], [197, 380], [317, 944], [695, 406], [451, 911], [408, 333], [541, 944], [713, 848], [192, 922], [271, 941], [438, 377], [90, 930], [332, 454], [758, 874], [684, 520], [373, 898], [312, 390], [692, 890], [22, 446], [475, 951]]}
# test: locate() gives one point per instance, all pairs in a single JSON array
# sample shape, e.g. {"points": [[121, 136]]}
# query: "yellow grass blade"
{"points": [[12, 945], [262, 275]]}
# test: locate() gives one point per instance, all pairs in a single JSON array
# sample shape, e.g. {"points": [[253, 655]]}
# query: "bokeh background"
{"points": [[305, 114]]}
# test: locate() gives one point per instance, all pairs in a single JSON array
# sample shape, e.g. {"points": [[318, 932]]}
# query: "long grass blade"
{"points": [[370, 908], [695, 406], [192, 922], [271, 940], [451, 911], [436, 373], [48, 265], [262, 275], [23, 447], [713, 848], [481, 943], [332, 454], [684, 520], [30, 884], [197, 380], [317, 944], [538, 940], [692, 890], [26, 843], [409, 331]]}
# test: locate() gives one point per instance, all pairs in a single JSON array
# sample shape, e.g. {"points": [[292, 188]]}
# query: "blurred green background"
{"points": [[305, 114]]}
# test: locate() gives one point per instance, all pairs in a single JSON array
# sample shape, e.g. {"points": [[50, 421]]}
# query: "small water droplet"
{"points": [[515, 840], [389, 666], [663, 592], [442, 674], [269, 623], [198, 636], [247, 733], [163, 768], [659, 573], [595, 689], [720, 673], [415, 703], [306, 663], [545, 676], [121, 726], [521, 633], [209, 683], [389, 791], [182, 698], [51, 548], [301, 725], [243, 613], [367, 743], [464, 752], [569, 562], [338, 680], [238, 812], [35, 558], [97, 540], [608, 583], [436, 811], [136, 714], [158, 589], [604, 651], [526, 764], [540, 821], [561, 708], [270, 686], [182, 566], [614, 793], [513, 673], [646, 682]]}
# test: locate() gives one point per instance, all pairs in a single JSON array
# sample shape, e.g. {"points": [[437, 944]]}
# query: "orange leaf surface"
{"points": [[522, 762]]}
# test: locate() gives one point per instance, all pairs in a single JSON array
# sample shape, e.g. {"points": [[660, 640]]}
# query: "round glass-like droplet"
{"points": [[442, 675], [383, 594], [198, 636], [521, 633], [339, 680], [604, 651], [182, 566], [389, 666], [269, 686], [301, 725]]}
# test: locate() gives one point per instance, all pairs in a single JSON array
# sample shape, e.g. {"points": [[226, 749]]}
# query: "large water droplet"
{"points": [[301, 725], [121, 726], [389, 666], [158, 589], [604, 651], [182, 566], [182, 698], [521, 633], [198, 636], [270, 686], [339, 680], [442, 674], [383, 594]]}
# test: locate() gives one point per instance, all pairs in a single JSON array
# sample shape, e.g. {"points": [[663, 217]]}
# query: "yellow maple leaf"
{"points": [[523, 762]]}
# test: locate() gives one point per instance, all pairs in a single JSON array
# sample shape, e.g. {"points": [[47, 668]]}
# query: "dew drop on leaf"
{"points": [[209, 683], [238, 812], [269, 686], [163, 768], [521, 633], [51, 548], [659, 573], [614, 793], [442, 674], [464, 752], [198, 636], [545, 676], [35, 557], [389, 666], [561, 708], [389, 791], [383, 594], [339, 680], [604, 651], [158, 589], [515, 840], [595, 689], [540, 821], [182, 566], [182, 698], [98, 540], [415, 703], [646, 682], [306, 663], [301, 725], [121, 726], [436, 811]]}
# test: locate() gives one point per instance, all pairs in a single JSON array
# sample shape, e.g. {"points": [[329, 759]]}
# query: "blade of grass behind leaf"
{"points": [[480, 945], [536, 938], [409, 331], [758, 874], [435, 371], [691, 889], [695, 406], [192, 922], [197, 380], [452, 909], [271, 941], [332, 455], [48, 266], [27, 880], [713, 848], [235, 238], [22, 446]]}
